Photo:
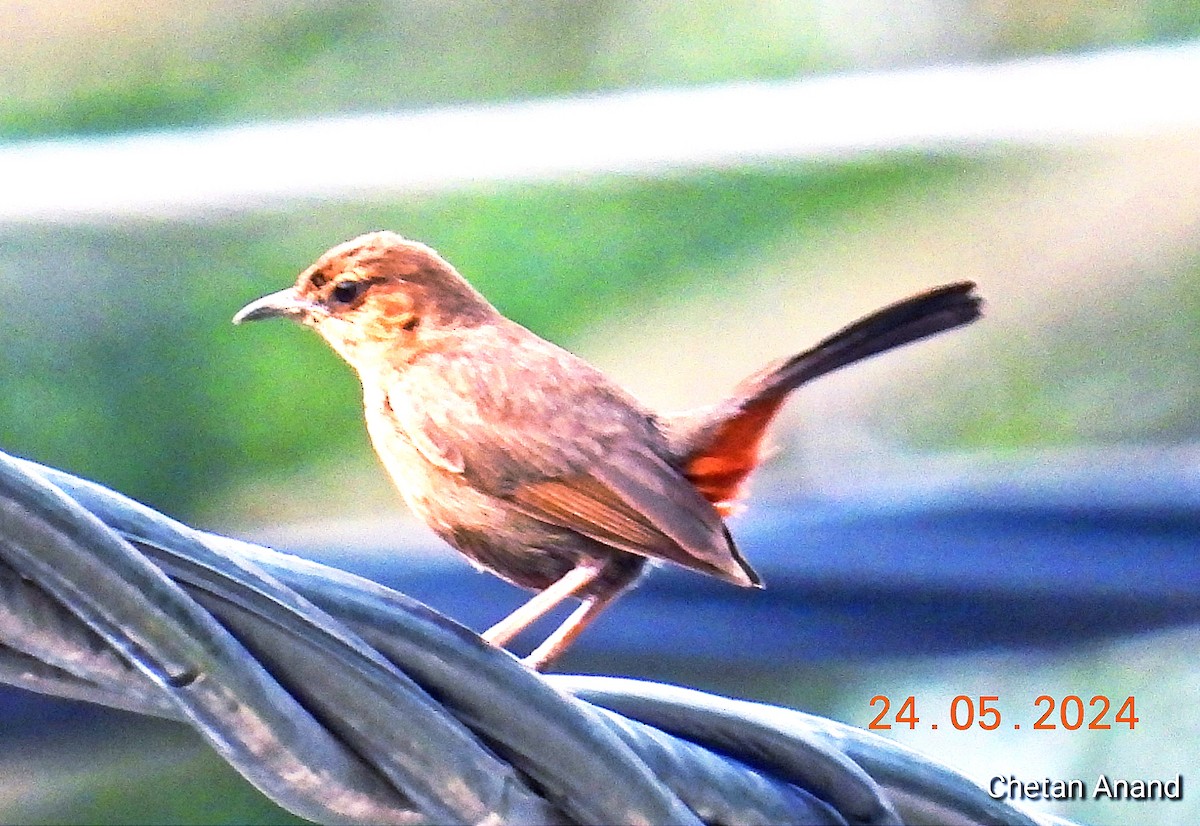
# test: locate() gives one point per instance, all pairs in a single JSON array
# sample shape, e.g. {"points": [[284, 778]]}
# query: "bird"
{"points": [[533, 463]]}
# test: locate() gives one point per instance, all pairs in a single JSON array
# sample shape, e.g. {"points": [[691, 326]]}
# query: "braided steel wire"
{"points": [[348, 702]]}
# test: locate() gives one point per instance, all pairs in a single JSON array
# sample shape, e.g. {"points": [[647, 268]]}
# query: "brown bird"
{"points": [[532, 462]]}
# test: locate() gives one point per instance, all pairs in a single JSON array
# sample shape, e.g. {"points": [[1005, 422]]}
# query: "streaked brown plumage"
{"points": [[530, 461]]}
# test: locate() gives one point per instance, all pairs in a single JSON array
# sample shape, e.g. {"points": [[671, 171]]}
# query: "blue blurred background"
{"points": [[118, 362]]}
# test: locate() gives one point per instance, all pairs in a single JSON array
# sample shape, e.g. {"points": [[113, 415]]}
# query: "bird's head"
{"points": [[377, 299]]}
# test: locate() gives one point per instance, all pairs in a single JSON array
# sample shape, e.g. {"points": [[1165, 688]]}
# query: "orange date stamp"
{"points": [[984, 711]]}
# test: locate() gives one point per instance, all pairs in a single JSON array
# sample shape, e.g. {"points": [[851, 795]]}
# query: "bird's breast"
{"points": [[443, 500], [413, 475]]}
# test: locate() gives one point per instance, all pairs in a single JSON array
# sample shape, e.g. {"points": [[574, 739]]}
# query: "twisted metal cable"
{"points": [[347, 702]]}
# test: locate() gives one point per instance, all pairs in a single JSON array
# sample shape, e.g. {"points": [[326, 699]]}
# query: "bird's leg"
{"points": [[502, 633], [558, 642]]}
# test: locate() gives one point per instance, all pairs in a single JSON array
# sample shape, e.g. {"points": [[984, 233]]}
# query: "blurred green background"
{"points": [[118, 361]]}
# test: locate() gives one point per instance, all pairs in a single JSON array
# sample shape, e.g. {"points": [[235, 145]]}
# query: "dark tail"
{"points": [[719, 448], [915, 318]]}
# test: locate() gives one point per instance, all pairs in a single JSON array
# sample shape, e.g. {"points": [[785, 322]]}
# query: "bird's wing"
{"points": [[573, 452], [635, 501]]}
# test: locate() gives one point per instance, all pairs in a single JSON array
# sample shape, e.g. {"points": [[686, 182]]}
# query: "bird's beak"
{"points": [[275, 305]]}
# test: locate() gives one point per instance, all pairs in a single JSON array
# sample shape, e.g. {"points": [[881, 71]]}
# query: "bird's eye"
{"points": [[346, 291]]}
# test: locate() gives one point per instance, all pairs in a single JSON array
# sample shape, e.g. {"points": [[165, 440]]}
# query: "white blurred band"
{"points": [[955, 108]]}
